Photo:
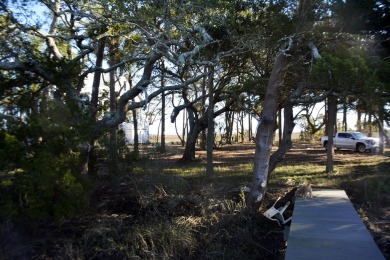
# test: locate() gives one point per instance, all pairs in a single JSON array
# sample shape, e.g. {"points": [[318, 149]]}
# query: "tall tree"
{"points": [[265, 129], [274, 88]]}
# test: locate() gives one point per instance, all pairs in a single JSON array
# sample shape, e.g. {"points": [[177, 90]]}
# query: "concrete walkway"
{"points": [[328, 227]]}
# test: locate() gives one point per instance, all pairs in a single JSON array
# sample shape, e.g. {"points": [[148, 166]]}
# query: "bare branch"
{"points": [[53, 30]]}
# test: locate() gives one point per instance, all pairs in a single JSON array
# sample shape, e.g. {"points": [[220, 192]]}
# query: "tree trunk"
{"points": [[113, 60], [89, 158], [196, 126], [135, 126], [203, 136], [210, 124], [381, 130], [250, 127], [285, 142], [326, 119], [229, 126], [237, 128], [359, 118], [189, 150], [194, 130], [182, 136], [97, 78], [369, 124], [345, 125], [242, 114], [162, 109], [266, 128], [280, 125], [332, 118]]}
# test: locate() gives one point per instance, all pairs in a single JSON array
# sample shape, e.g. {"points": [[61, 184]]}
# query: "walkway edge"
{"points": [[328, 227]]}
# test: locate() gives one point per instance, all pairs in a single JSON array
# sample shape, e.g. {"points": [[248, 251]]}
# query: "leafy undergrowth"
{"points": [[161, 209]]}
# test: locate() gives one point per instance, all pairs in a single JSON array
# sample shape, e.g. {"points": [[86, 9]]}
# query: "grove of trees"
{"points": [[207, 58]]}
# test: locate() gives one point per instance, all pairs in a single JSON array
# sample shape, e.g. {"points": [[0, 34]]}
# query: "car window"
{"points": [[360, 135]]}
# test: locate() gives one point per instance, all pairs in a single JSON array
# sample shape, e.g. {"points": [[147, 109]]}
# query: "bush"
{"points": [[39, 177], [10, 150], [46, 187]]}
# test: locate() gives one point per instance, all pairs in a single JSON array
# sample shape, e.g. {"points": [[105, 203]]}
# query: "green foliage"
{"points": [[381, 73], [46, 187], [39, 179], [10, 149], [345, 69]]}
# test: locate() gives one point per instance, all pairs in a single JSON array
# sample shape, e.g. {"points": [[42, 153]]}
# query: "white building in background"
{"points": [[143, 131]]}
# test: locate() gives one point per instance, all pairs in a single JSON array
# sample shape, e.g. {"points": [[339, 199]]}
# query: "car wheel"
{"points": [[361, 148]]}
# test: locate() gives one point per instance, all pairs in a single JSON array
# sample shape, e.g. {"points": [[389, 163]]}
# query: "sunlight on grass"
{"points": [[238, 174], [240, 169], [192, 172], [235, 174], [298, 174], [365, 176], [369, 170]]}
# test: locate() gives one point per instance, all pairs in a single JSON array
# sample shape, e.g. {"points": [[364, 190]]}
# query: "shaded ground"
{"points": [[119, 211]]}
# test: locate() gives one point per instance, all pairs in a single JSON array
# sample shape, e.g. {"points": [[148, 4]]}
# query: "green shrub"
{"points": [[11, 150], [46, 187]]}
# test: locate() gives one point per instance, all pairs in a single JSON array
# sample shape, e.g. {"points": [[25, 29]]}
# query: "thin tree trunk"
{"points": [[345, 125], [185, 126], [250, 127], [332, 118], [89, 159], [285, 142], [237, 131], [359, 118], [242, 126], [113, 60], [97, 78], [203, 136], [210, 124], [280, 125], [326, 118], [381, 119], [369, 124], [136, 141], [162, 109]]}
